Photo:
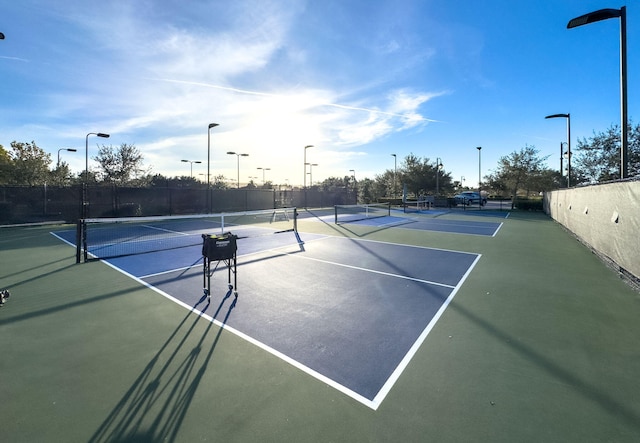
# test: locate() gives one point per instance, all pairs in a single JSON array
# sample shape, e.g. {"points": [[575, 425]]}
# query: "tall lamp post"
{"points": [[305, 166], [479, 148], [395, 171], [311, 165], [238, 156], [596, 16], [64, 149], [562, 155], [304, 176], [85, 201], [355, 183], [439, 166], [568, 117], [264, 169], [192, 162], [211, 125]]}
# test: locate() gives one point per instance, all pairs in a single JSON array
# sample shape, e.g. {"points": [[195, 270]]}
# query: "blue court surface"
{"points": [[467, 227], [349, 312], [454, 226]]}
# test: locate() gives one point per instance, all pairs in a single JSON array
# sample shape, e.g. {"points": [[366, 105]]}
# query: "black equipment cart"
{"points": [[219, 248]]}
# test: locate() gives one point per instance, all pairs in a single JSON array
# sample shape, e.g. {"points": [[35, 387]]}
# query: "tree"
{"points": [[29, 164], [421, 177], [370, 191], [522, 170], [333, 183], [120, 165], [6, 166], [61, 175], [220, 182], [598, 158]]}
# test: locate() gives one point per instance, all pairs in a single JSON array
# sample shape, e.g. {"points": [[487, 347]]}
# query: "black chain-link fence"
{"points": [[29, 204]]}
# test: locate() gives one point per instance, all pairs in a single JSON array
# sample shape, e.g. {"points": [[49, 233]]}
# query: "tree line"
{"points": [[595, 159]]}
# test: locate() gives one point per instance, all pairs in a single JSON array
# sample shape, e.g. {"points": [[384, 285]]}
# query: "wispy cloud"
{"points": [[5, 57]]}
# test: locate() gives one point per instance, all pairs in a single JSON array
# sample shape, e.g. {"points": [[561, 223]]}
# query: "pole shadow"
{"points": [[156, 403]]}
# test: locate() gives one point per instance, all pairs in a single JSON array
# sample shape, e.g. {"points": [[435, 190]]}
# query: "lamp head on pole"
{"points": [[558, 116], [213, 125], [595, 16]]}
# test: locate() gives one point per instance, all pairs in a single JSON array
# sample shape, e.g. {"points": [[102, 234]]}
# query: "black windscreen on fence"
{"points": [[27, 204]]}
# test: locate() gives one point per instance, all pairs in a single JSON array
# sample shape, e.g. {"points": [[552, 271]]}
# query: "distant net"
{"points": [[416, 206], [352, 213], [116, 237]]}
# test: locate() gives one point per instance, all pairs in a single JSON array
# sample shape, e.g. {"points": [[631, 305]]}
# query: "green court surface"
{"points": [[540, 344]]}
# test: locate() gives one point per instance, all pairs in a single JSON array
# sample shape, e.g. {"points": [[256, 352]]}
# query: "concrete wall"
{"points": [[605, 217]]}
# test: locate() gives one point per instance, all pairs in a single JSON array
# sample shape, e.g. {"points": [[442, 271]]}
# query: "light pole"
{"points": [[479, 148], [596, 16], [439, 166], [395, 171], [461, 181], [85, 202], [562, 155], [238, 156], [355, 183], [264, 169], [311, 165], [305, 166], [211, 125], [64, 149], [568, 117], [192, 162], [86, 156]]}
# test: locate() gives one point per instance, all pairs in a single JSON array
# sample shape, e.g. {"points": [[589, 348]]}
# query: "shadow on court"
{"points": [[154, 407], [565, 376]]}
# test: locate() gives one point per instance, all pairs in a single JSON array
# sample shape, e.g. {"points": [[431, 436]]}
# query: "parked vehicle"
{"points": [[470, 198]]}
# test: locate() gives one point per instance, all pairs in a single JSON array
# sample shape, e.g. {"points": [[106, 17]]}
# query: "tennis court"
{"points": [[355, 322], [360, 333]]}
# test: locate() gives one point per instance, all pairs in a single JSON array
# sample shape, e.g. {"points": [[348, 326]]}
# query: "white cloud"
{"points": [[160, 85]]}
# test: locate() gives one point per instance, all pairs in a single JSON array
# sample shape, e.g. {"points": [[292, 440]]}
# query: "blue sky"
{"points": [[358, 79]]}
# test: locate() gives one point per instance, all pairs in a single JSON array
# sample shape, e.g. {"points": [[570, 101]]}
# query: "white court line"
{"points": [[164, 230], [373, 271], [395, 375]]}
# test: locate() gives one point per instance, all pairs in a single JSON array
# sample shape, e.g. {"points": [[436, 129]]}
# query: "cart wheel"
{"points": [[230, 286], [235, 294], [206, 292]]}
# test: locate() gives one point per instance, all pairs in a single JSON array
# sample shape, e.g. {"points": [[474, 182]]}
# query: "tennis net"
{"points": [[102, 238], [417, 205], [351, 213]]}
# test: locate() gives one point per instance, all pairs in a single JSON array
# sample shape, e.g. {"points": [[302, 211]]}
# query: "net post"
{"points": [[295, 220], [335, 210], [389, 209], [83, 229], [78, 240]]}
